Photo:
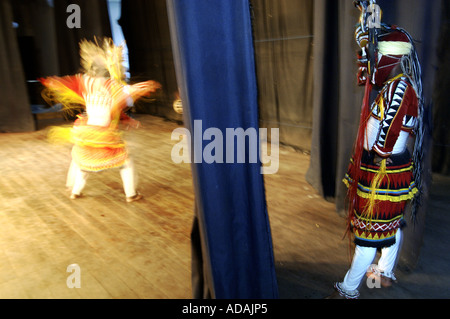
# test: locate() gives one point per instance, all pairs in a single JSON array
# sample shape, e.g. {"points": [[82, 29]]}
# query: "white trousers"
{"points": [[76, 178], [363, 259]]}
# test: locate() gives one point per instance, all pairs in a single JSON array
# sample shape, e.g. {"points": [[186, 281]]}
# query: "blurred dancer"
{"points": [[383, 174], [101, 91]]}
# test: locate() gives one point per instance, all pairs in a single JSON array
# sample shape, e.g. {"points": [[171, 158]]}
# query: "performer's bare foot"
{"points": [[376, 274], [75, 196], [134, 198], [385, 281]]}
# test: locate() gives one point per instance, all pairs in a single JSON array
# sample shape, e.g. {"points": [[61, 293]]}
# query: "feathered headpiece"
{"points": [[105, 60]]}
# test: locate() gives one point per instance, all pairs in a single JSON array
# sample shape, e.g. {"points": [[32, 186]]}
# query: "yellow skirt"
{"points": [[97, 148]]}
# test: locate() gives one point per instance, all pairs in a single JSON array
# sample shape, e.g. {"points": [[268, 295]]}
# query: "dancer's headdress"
{"points": [[103, 60], [97, 60]]}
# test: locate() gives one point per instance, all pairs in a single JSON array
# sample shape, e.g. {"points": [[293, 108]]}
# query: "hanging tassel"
{"points": [[370, 210], [355, 168]]}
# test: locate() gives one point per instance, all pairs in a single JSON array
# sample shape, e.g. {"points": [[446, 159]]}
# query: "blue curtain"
{"points": [[213, 53]]}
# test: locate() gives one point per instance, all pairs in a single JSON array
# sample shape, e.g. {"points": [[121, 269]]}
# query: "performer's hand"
{"points": [[152, 85], [133, 123], [143, 88]]}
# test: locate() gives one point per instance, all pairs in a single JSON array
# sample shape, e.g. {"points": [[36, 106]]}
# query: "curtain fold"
{"points": [[42, 45], [94, 22], [146, 30], [213, 50], [283, 40], [324, 142], [441, 106], [15, 110]]}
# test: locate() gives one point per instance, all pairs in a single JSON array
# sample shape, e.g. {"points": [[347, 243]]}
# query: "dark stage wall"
{"points": [[41, 45], [15, 114], [283, 33], [146, 29], [441, 98]]}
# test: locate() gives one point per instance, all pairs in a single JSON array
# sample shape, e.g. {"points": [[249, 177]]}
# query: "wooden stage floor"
{"points": [[142, 249]]}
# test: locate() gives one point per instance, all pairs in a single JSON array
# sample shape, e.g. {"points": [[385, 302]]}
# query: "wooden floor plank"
{"points": [[124, 250], [141, 249]]}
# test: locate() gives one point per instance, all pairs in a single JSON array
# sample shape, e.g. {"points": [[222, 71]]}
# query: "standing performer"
{"points": [[101, 91], [383, 175]]}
